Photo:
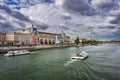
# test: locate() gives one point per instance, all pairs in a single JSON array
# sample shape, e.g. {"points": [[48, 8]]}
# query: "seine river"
{"points": [[103, 63]]}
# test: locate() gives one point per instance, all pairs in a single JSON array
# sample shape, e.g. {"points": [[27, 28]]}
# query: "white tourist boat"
{"points": [[17, 52], [80, 56]]}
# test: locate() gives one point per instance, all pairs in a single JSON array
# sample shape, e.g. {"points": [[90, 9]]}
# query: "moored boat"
{"points": [[80, 56], [17, 52]]}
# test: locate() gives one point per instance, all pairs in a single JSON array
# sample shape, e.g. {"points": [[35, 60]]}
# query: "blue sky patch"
{"points": [[10, 2]]}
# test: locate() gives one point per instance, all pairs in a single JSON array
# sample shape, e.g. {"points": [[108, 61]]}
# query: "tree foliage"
{"points": [[77, 41]]}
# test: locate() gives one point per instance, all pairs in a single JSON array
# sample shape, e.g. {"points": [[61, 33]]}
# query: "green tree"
{"points": [[77, 40]]}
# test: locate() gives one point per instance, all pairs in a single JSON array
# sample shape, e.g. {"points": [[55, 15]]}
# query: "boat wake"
{"points": [[69, 62]]}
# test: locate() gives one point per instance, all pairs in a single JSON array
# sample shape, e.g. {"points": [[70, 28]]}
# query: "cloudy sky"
{"points": [[99, 19]]}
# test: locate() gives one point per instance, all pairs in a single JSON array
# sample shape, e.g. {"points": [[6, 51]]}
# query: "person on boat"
{"points": [[13, 54], [81, 54], [78, 54]]}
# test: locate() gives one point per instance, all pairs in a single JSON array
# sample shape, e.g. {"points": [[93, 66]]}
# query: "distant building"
{"points": [[82, 40], [2, 38], [12, 38], [31, 36], [64, 38]]}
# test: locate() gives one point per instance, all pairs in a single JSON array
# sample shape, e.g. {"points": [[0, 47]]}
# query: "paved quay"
{"points": [[35, 47]]}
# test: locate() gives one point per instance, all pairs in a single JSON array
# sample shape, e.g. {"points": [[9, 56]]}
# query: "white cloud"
{"points": [[80, 25], [59, 2], [104, 6], [74, 17], [49, 14]]}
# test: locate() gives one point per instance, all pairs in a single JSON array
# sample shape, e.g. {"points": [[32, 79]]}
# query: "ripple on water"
{"points": [[103, 63]]}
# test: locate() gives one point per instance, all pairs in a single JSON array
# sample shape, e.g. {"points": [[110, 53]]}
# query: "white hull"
{"points": [[16, 53], [81, 56]]}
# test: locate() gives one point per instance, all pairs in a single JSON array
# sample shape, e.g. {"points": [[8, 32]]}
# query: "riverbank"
{"points": [[31, 48]]}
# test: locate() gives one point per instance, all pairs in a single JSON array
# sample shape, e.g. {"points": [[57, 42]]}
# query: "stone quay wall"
{"points": [[35, 47]]}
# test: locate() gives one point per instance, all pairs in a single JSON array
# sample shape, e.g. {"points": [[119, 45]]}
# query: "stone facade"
{"points": [[64, 39], [44, 38], [2, 38], [31, 36]]}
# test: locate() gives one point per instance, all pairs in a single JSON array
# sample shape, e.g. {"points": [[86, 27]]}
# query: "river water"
{"points": [[103, 63]]}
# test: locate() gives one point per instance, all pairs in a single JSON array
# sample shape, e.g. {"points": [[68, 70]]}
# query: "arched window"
{"points": [[49, 41], [38, 40], [41, 41], [46, 41], [53, 41], [62, 41]]}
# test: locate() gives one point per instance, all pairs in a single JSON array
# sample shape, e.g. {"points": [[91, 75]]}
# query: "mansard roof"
{"points": [[48, 33]]}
